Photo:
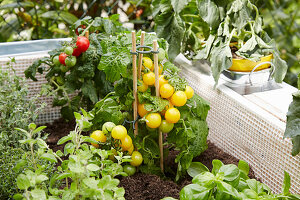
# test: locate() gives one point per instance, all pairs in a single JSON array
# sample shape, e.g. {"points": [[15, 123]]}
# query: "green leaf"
{"points": [[255, 186], [228, 189], [38, 194], [170, 26], [280, 67], [41, 178], [179, 5], [18, 197], [67, 112], [204, 53], [114, 62], [168, 198], [209, 12], [93, 167], [39, 129], [217, 164], [89, 90], [231, 172], [23, 182], [63, 176], [66, 16], [50, 157], [196, 168], [91, 182], [248, 46], [194, 192], [205, 179], [296, 145], [293, 123], [64, 139], [286, 183], [220, 59], [17, 5], [244, 167]]}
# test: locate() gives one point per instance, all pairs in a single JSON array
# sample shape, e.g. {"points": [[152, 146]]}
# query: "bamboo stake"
{"points": [[134, 81], [156, 71], [141, 55]]}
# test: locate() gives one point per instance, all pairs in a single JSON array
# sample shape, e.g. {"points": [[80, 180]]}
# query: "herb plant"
{"points": [[86, 174], [229, 182], [17, 109]]}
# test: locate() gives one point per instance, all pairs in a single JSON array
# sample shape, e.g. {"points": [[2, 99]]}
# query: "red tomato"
{"points": [[82, 43], [76, 52], [62, 58]]}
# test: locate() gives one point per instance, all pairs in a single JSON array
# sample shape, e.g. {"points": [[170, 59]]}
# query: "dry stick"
{"points": [[134, 82], [141, 55], [156, 71]]}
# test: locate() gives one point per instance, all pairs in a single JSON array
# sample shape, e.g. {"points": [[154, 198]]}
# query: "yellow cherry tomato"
{"points": [[130, 150], [178, 98], [149, 78], [148, 63], [143, 87], [166, 90], [163, 112], [119, 132], [172, 115], [98, 136], [161, 68], [153, 120], [189, 92], [162, 80], [136, 158], [126, 143], [141, 110]]}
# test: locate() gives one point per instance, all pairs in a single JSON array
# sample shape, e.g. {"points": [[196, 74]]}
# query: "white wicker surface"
{"points": [[248, 132], [237, 125]]}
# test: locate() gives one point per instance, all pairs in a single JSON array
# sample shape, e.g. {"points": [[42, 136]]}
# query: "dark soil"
{"points": [[58, 129], [234, 55], [144, 186]]}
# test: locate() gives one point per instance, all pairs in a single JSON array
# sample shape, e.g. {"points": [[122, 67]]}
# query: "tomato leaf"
{"points": [[292, 125]]}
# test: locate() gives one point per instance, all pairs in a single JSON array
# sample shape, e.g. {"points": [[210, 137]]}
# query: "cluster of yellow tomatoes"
{"points": [[167, 91], [119, 134]]}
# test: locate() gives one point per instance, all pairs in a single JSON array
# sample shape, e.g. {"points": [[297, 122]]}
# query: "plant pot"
{"points": [[245, 65]]}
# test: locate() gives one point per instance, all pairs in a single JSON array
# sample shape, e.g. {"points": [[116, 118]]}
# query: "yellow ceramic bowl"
{"points": [[244, 65]]}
